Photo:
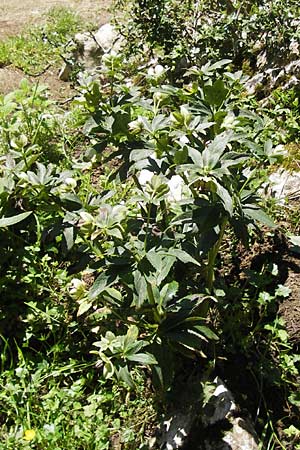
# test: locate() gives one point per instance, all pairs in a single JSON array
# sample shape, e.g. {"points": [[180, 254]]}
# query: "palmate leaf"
{"points": [[162, 263], [215, 94], [183, 256], [212, 153], [196, 157], [8, 221], [207, 215]]}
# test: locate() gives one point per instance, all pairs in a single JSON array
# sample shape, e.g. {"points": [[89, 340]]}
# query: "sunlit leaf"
{"points": [[8, 221]]}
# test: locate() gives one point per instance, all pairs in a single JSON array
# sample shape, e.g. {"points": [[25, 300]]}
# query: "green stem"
{"points": [[212, 254], [147, 225]]}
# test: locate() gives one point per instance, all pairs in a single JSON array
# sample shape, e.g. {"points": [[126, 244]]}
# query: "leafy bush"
{"points": [[212, 30]]}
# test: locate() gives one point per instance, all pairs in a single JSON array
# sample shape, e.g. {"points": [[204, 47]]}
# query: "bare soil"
{"points": [[290, 308], [17, 16]]}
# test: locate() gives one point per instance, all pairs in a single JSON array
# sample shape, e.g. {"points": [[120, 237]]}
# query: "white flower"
{"points": [[175, 185], [156, 71], [49, 428], [184, 139], [136, 126], [77, 288], [159, 70], [19, 371], [145, 177], [151, 72], [71, 182]]}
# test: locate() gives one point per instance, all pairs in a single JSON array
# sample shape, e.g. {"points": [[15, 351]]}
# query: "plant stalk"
{"points": [[212, 254]]}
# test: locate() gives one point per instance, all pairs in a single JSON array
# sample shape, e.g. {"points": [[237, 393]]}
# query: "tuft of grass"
{"points": [[43, 45]]}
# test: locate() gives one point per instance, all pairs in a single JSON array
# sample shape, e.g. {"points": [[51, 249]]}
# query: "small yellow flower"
{"points": [[29, 435]]}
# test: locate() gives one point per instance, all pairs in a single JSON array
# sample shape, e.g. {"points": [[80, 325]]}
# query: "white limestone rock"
{"points": [[108, 38], [273, 77], [175, 431], [90, 48], [221, 406], [65, 72], [285, 185]]}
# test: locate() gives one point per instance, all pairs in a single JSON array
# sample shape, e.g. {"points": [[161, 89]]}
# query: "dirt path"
{"points": [[16, 15]]}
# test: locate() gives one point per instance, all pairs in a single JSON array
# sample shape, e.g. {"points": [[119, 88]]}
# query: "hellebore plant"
{"points": [[186, 156]]}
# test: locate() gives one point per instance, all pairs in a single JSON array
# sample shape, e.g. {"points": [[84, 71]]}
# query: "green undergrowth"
{"points": [[138, 249], [49, 404], [43, 45]]}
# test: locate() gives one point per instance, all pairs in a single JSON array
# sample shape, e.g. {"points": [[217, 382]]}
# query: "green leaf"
{"points": [[196, 156], [168, 263], [219, 64], [181, 156], [207, 332], [188, 338], [212, 153], [183, 256], [169, 291], [102, 282], [108, 370], [163, 372], [257, 214], [69, 237], [143, 358], [84, 307], [140, 285], [294, 399], [215, 94], [124, 375], [8, 221], [225, 198], [71, 201], [162, 263]]}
